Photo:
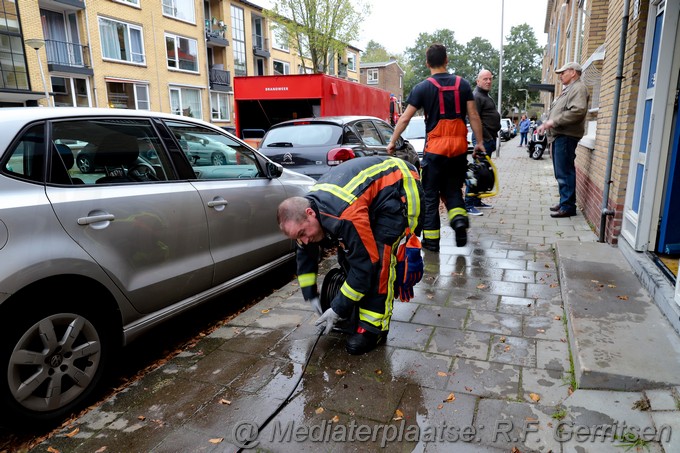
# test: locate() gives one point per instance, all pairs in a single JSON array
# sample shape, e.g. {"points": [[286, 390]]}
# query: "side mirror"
{"points": [[274, 170]]}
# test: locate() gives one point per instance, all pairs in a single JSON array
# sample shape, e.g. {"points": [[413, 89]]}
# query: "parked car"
{"points": [[415, 134], [508, 130], [89, 261], [313, 145]]}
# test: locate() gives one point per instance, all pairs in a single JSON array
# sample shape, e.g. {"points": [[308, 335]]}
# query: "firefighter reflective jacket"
{"points": [[358, 203]]}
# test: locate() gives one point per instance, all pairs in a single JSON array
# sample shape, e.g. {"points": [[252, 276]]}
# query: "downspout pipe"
{"points": [[612, 126]]}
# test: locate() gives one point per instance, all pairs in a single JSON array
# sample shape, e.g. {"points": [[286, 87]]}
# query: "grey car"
{"points": [[313, 145], [89, 261]]}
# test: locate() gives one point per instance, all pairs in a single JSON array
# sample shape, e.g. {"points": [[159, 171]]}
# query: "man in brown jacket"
{"points": [[566, 124]]}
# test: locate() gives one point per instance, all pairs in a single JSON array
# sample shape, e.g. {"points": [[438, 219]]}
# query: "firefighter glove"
{"points": [[413, 262], [316, 305], [329, 318]]}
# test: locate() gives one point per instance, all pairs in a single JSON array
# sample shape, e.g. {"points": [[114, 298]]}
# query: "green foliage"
{"points": [[374, 53], [319, 28]]}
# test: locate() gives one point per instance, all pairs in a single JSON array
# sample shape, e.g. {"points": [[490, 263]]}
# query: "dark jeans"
{"points": [[563, 151], [470, 201], [523, 138]]}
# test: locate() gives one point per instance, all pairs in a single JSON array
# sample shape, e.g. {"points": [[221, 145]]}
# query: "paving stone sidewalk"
{"points": [[478, 361]]}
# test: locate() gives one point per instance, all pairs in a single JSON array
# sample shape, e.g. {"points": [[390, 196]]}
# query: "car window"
{"points": [[368, 133], [27, 159], [303, 135], [415, 129], [107, 151], [214, 155], [385, 131]]}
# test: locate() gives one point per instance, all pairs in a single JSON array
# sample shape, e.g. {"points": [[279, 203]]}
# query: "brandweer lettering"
{"points": [[276, 89]]}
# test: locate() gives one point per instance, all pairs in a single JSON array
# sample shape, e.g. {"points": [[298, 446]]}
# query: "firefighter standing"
{"points": [[369, 208]]}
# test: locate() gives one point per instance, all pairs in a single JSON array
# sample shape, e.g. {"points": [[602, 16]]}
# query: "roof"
{"points": [[380, 64]]}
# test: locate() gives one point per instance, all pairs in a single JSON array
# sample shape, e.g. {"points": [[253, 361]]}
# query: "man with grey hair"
{"points": [[491, 124], [566, 124]]}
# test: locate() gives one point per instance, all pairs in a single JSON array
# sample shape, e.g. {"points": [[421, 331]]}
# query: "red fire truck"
{"points": [[262, 101]]}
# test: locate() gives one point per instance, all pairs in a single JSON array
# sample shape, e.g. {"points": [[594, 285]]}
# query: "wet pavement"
{"points": [[490, 355]]}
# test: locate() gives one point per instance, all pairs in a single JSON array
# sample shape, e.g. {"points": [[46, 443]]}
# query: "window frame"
{"points": [[352, 61], [180, 89], [177, 39], [216, 108], [280, 40], [135, 86], [372, 76], [286, 67], [128, 28], [183, 3]]}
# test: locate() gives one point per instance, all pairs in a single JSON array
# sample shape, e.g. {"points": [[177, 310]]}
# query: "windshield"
{"points": [[415, 129]]}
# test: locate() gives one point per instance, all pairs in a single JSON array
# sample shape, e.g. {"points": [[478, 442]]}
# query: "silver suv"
{"points": [[91, 259]]}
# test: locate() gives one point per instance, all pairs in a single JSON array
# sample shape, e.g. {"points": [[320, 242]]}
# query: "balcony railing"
{"points": [[67, 56], [216, 37], [220, 80], [261, 46]]}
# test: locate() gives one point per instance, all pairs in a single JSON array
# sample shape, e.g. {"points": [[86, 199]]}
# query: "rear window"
{"points": [[303, 135]]}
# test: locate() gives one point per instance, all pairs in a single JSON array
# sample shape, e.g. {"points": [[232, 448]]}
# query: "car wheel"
{"points": [[85, 163], [218, 159], [51, 362]]}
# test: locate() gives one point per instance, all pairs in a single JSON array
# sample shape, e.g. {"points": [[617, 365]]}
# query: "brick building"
{"points": [[385, 75], [174, 56], [629, 156]]}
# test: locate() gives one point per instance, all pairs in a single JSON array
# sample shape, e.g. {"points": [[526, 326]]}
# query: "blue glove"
{"points": [[405, 293], [414, 262]]}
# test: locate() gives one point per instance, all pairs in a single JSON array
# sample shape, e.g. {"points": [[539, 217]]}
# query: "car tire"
{"points": [[43, 350], [218, 159]]}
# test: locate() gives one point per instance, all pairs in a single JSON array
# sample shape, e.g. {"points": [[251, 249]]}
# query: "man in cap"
{"points": [[566, 124]]}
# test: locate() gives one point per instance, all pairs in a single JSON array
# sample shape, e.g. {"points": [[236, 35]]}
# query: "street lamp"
{"points": [[526, 96], [37, 44]]}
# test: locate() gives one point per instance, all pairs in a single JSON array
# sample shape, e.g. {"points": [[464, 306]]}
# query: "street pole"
{"points": [[37, 44], [500, 80], [526, 97]]}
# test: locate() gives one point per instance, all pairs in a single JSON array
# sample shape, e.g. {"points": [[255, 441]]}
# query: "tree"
{"points": [[479, 54], [521, 66], [374, 53], [319, 28]]}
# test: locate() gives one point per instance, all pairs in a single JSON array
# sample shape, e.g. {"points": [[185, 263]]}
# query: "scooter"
{"points": [[537, 144]]}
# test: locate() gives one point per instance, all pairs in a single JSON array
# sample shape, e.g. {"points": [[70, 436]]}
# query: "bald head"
{"points": [[484, 79]]}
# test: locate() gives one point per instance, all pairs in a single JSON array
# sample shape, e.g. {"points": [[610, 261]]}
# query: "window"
{"points": [[281, 68], [351, 61], [182, 53], [280, 37], [238, 35], [372, 76], [121, 41], [131, 2], [186, 102], [70, 92], [180, 9], [227, 158], [13, 73], [219, 105], [128, 95], [258, 33]]}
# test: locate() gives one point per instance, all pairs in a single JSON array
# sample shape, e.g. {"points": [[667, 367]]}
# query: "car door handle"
{"points": [[96, 219], [218, 203]]}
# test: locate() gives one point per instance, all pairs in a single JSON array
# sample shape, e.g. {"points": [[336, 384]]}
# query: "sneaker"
{"points": [[430, 244], [483, 205], [472, 210], [363, 341], [460, 224]]}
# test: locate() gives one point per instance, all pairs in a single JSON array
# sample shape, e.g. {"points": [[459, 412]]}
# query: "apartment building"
{"points": [[628, 164], [176, 56]]}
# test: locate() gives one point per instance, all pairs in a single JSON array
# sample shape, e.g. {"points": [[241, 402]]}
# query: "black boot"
{"points": [[363, 341], [431, 244], [460, 224]]}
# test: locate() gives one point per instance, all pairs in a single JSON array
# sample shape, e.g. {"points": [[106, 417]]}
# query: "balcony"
{"points": [[67, 57], [261, 46], [220, 80], [216, 37]]}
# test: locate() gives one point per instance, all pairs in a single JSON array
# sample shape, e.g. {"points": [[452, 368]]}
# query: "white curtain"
{"points": [[109, 39]]}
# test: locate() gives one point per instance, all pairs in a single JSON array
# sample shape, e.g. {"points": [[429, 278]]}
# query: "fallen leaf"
{"points": [[419, 329], [557, 318], [223, 401], [563, 340], [73, 433], [100, 450], [481, 286], [141, 417], [547, 266], [440, 406], [535, 397], [502, 339], [266, 310], [340, 372], [216, 440], [378, 372], [430, 296], [53, 450], [595, 281], [531, 419], [540, 330], [398, 413], [611, 286], [450, 398], [319, 410], [515, 450], [441, 373], [623, 297], [335, 419], [507, 348], [554, 285], [469, 389]]}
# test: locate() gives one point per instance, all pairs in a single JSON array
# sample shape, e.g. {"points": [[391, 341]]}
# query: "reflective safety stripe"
{"points": [[412, 195], [349, 293], [456, 212], [431, 234], [306, 280]]}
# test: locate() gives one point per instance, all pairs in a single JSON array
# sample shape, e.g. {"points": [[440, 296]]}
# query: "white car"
{"points": [[415, 134]]}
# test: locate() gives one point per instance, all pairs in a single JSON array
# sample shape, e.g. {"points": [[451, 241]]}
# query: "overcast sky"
{"points": [[396, 24]]}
